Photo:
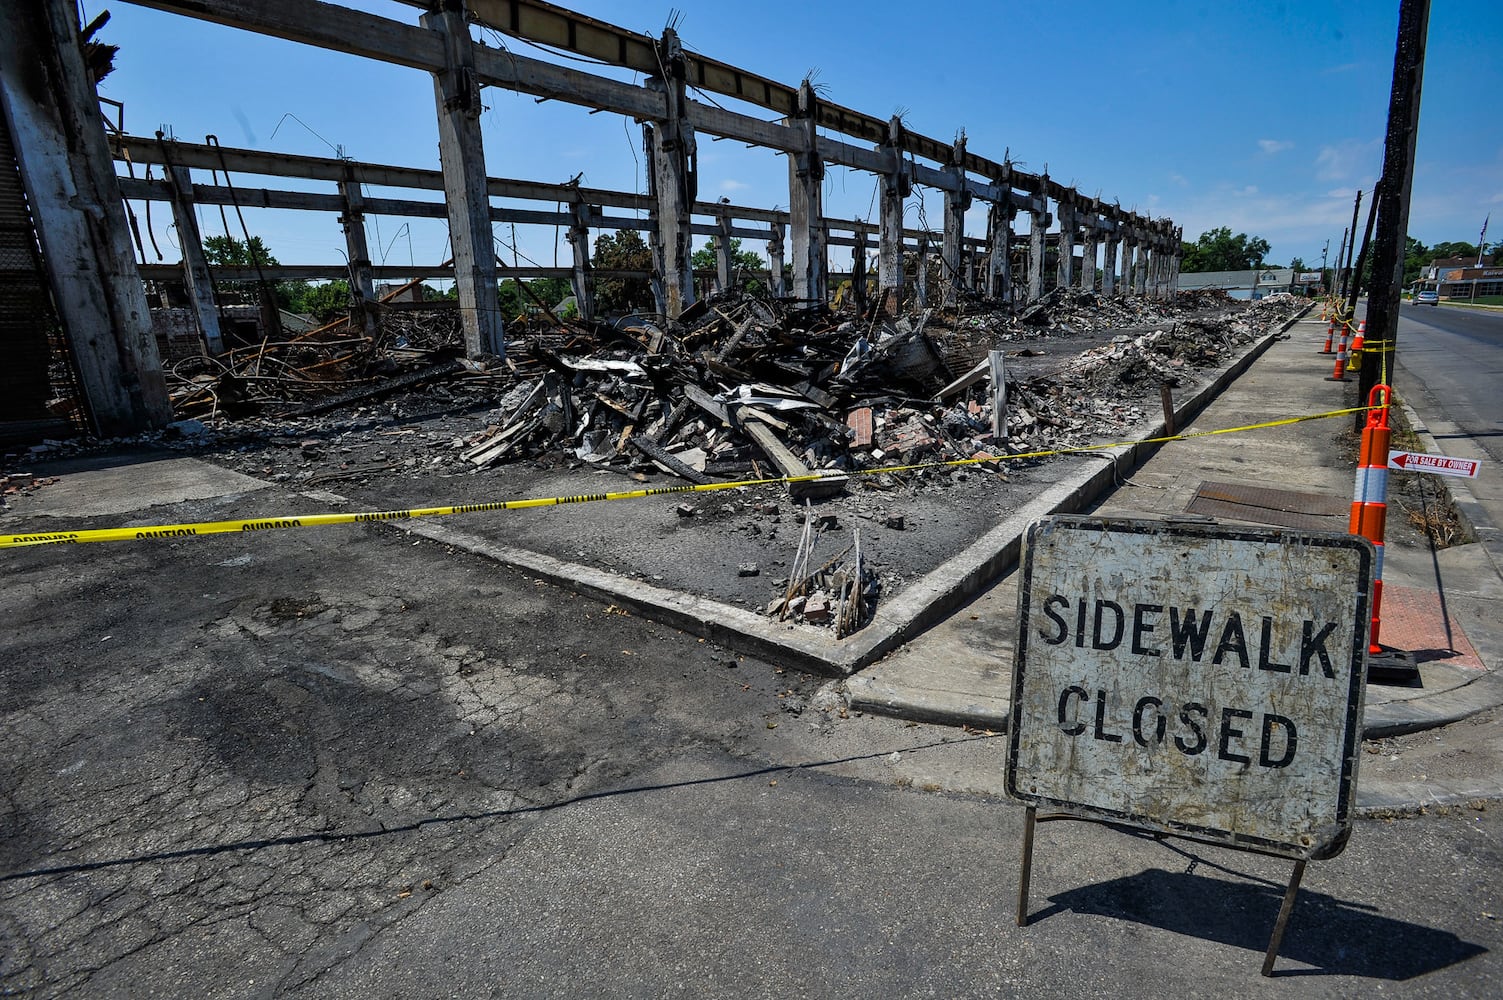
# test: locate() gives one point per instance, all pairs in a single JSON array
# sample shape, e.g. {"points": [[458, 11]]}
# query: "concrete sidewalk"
{"points": [[1444, 608]]}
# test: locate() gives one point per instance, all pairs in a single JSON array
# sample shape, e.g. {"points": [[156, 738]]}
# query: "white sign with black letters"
{"points": [[1198, 680]]}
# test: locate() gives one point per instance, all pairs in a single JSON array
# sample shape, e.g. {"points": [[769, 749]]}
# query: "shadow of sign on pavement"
{"points": [[1329, 936]]}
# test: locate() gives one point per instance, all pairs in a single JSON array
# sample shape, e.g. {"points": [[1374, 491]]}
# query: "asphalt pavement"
{"points": [[354, 763]]}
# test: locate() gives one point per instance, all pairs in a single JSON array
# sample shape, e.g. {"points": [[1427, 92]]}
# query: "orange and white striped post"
{"points": [[1339, 374], [1369, 496], [1330, 337]]}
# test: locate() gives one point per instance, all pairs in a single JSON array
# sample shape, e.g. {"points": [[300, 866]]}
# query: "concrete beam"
{"points": [[341, 29]]}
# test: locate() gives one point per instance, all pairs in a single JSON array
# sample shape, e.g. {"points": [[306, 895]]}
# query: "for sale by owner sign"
{"points": [[1193, 679]]}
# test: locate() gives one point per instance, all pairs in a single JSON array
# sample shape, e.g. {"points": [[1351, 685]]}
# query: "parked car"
{"points": [[1427, 298]]}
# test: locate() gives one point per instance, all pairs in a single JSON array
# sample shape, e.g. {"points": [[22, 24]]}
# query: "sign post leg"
{"points": [[1283, 921], [1026, 872]]}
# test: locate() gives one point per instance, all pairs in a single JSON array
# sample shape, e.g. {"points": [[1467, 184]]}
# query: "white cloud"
{"points": [[1179, 179], [728, 185], [1271, 146], [1349, 159]]}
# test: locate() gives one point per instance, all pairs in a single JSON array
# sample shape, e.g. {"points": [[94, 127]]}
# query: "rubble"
{"points": [[742, 387]]}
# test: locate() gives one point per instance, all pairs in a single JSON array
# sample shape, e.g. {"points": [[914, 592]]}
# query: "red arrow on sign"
{"points": [[1443, 465]]}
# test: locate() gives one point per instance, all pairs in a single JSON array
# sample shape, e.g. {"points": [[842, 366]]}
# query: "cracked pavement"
{"points": [[351, 763]]}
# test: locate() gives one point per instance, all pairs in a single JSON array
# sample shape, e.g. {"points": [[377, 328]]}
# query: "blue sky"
{"points": [[1262, 117]]}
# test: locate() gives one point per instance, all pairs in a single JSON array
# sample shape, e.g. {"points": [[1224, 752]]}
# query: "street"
{"points": [[1450, 357], [341, 763]]}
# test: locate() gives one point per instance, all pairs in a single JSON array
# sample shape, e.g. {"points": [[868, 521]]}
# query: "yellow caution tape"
{"points": [[255, 524]]}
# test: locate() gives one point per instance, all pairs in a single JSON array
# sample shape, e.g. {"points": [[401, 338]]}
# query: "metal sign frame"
{"points": [[1156, 799]]}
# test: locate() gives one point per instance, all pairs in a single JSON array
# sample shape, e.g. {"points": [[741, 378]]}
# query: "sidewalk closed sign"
{"points": [[1197, 680]]}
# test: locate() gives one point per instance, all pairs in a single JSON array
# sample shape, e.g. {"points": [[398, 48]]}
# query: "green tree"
{"points": [[1218, 250], [743, 262], [622, 251], [326, 300], [227, 251], [515, 300], [1441, 251]]}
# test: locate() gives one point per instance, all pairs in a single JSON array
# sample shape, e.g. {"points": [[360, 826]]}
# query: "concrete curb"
{"points": [[920, 605], [1413, 715]]}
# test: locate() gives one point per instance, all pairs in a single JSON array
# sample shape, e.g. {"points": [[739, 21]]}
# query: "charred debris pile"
{"points": [[744, 387], [739, 388]]}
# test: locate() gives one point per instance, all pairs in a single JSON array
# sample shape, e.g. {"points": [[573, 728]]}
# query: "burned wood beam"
{"points": [[664, 459]]}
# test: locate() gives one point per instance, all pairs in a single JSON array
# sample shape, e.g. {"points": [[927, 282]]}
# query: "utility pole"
{"points": [[1323, 252], [1351, 246], [1393, 196], [1338, 279]]}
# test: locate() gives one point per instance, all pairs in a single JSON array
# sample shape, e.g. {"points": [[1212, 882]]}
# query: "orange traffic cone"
{"points": [[1330, 338], [1339, 375]]}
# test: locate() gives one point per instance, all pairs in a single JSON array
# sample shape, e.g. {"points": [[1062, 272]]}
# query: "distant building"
{"points": [[1468, 282], [1430, 273], [413, 293]]}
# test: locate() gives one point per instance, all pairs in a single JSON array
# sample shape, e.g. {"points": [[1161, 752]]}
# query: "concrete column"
{"points": [[1088, 253], [462, 156], [999, 260], [956, 204], [858, 268], [1140, 268], [895, 188], [1109, 266], [1174, 259], [921, 276], [1129, 242], [1038, 226], [50, 104], [362, 285], [579, 244], [195, 265], [806, 174], [775, 261], [723, 249], [674, 179], [1066, 264]]}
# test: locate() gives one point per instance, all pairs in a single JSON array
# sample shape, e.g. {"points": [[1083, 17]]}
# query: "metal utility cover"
{"points": [[1197, 680], [1286, 508]]}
